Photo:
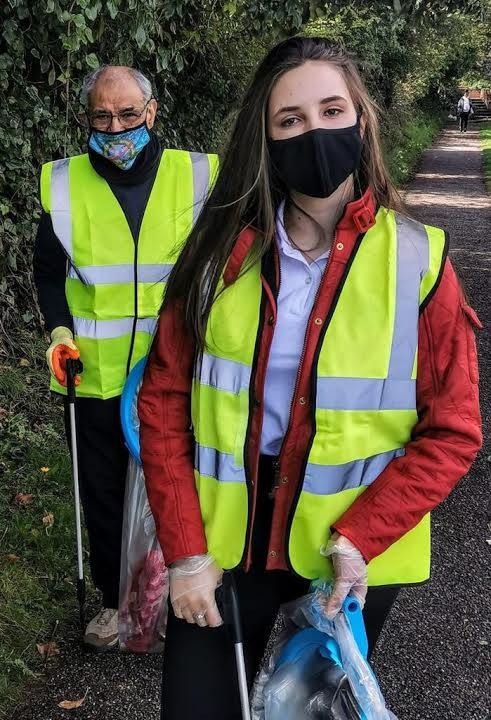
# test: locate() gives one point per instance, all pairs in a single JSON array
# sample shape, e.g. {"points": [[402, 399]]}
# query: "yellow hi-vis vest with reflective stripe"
{"points": [[365, 401], [114, 286]]}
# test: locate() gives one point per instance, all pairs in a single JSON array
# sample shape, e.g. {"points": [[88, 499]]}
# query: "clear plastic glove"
{"points": [[193, 582], [350, 573], [62, 348]]}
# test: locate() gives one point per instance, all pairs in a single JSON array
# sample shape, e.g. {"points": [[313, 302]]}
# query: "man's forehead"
{"points": [[121, 89]]}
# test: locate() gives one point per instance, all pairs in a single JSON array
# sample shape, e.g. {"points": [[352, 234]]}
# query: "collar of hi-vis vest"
{"points": [[358, 217]]}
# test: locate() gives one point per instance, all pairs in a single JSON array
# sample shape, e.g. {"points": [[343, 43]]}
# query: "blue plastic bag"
{"points": [[318, 668]]}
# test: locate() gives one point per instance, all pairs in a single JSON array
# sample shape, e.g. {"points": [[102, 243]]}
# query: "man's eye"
{"points": [[129, 115], [101, 116]]}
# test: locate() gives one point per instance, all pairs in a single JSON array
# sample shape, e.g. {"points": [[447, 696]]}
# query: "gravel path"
{"points": [[433, 659]]}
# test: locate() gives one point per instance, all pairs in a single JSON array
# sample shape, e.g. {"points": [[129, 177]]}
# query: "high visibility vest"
{"points": [[114, 286], [365, 401]]}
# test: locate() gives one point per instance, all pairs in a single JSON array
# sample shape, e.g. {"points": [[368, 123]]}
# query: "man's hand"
{"points": [[350, 573], [62, 348]]}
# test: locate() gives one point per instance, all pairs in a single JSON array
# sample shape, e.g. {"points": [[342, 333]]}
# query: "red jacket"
{"points": [[443, 446]]}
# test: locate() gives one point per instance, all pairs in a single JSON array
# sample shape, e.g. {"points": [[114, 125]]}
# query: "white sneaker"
{"points": [[102, 632]]}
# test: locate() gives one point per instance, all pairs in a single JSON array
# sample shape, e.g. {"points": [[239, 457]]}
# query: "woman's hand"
{"points": [[193, 582], [350, 573]]}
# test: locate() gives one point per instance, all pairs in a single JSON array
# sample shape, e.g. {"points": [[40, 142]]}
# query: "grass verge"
{"points": [[404, 143], [37, 539], [485, 135]]}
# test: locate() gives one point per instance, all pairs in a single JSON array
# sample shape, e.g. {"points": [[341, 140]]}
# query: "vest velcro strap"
{"points": [[110, 329], [218, 465], [332, 479], [118, 274]]}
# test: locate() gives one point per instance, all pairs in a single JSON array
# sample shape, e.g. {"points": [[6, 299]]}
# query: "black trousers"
{"points": [[102, 465], [199, 676], [464, 120]]}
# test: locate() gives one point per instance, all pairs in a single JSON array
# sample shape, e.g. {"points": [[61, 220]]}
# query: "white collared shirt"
{"points": [[299, 283]]}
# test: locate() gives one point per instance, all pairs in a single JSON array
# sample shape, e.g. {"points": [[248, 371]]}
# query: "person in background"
{"points": [[111, 220], [464, 110]]}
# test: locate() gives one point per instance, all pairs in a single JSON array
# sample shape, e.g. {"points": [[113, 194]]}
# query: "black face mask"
{"points": [[317, 162]]}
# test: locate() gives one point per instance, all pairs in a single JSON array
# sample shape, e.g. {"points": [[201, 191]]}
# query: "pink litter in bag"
{"points": [[144, 583]]}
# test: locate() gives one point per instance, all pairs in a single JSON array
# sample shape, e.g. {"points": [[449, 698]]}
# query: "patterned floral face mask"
{"points": [[122, 148]]}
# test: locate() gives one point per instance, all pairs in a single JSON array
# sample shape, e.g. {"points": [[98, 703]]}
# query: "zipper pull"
{"points": [[276, 479]]}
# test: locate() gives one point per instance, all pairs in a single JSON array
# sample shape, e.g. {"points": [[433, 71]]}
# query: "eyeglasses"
{"points": [[102, 120]]}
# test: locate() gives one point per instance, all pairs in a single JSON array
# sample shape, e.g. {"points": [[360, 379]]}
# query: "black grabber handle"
{"points": [[73, 368], [231, 609]]}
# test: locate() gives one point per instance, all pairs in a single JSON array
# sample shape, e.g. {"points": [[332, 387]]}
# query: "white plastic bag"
{"points": [[144, 583]]}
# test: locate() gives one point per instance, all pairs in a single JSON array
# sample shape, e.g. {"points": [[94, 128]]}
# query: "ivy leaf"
{"points": [[113, 10], [79, 20], [91, 12], [92, 60], [45, 63], [51, 76], [140, 36]]}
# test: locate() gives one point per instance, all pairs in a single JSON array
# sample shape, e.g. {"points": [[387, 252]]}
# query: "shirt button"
{"points": [[318, 321], [271, 320], [302, 401], [284, 480], [308, 280], [273, 554], [340, 246]]}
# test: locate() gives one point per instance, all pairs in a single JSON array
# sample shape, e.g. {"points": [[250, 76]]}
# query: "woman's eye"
{"points": [[332, 112], [289, 122]]}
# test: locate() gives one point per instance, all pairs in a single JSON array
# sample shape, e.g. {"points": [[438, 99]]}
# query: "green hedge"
{"points": [[485, 133]]}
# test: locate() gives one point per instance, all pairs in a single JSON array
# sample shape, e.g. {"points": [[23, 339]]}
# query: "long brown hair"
{"points": [[245, 193]]}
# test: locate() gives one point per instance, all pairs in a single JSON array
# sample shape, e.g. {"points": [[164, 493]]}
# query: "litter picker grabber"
{"points": [[231, 610], [74, 368]]}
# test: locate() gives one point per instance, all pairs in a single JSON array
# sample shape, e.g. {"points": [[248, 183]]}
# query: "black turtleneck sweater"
{"points": [[132, 189]]}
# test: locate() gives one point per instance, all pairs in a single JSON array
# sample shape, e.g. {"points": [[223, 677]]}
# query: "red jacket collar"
{"points": [[358, 217]]}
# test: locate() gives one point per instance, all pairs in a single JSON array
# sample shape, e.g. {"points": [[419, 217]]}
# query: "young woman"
{"points": [[312, 392]]}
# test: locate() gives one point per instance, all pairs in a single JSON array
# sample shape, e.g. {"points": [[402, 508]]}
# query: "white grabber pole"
{"points": [[74, 368], [233, 620]]}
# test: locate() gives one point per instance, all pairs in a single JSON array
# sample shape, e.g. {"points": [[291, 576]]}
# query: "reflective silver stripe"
{"points": [[115, 274], [220, 466], [347, 393], [412, 263], [222, 374], [61, 216], [330, 479], [109, 329], [201, 181]]}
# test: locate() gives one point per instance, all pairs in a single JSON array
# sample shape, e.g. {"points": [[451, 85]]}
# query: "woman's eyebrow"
{"points": [[294, 108]]}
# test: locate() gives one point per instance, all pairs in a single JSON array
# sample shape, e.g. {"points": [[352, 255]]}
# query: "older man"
{"points": [[111, 221]]}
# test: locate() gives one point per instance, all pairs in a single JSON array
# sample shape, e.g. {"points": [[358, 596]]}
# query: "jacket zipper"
{"points": [[252, 507]]}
